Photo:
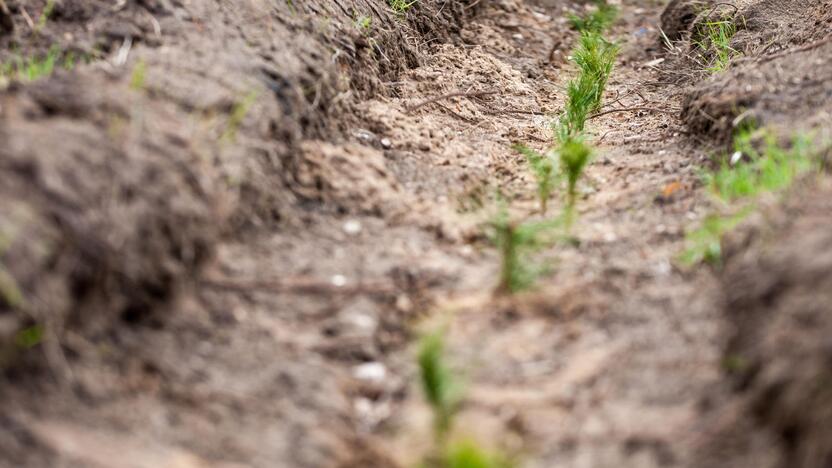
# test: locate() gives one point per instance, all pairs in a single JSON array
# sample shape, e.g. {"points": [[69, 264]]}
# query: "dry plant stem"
{"points": [[412, 108]]}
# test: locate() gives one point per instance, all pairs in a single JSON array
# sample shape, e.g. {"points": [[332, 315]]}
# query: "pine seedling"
{"points": [[574, 156], [544, 168], [595, 58], [516, 241], [442, 391], [596, 21]]}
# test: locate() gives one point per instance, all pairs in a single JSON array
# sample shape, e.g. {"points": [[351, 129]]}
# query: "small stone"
{"points": [[352, 227], [403, 303], [338, 280], [370, 371], [386, 143]]}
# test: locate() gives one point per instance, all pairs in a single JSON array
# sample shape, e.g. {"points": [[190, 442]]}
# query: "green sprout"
{"points": [[705, 243], [401, 6], [740, 179], [595, 58], [137, 78], [467, 454], [45, 14], [574, 156], [597, 20], [29, 337], [772, 169], [544, 168], [715, 41], [364, 23], [516, 242], [35, 67], [238, 114], [442, 391]]}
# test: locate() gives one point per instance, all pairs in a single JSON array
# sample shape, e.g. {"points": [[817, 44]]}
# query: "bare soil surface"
{"points": [[227, 224]]}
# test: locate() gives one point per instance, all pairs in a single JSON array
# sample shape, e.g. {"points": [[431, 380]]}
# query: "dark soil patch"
{"points": [[777, 286]]}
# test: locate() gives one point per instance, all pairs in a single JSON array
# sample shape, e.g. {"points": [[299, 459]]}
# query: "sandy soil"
{"points": [[231, 261]]}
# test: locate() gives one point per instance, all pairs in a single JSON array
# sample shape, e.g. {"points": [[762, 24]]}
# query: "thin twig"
{"points": [[412, 108], [457, 115], [633, 109]]}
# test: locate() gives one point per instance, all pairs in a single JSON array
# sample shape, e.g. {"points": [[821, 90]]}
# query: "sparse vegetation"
{"points": [[238, 113], [574, 156], [740, 178], [37, 67], [566, 159], [595, 57], [596, 21], [768, 170], [516, 242], [29, 337], [137, 78], [545, 170], [443, 393], [705, 243], [45, 15], [715, 44], [364, 23], [401, 6]]}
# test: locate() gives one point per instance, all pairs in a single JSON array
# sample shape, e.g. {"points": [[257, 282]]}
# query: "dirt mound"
{"points": [[769, 82], [102, 217], [223, 111], [777, 286]]}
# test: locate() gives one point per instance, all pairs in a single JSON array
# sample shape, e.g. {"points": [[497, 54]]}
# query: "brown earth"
{"points": [[230, 260]]}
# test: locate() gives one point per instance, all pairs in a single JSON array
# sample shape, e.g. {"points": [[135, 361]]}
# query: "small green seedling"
{"points": [[705, 244], [45, 14], [29, 337], [137, 78], [401, 6], [34, 68], [544, 168], [715, 42], [442, 392], [742, 177], [364, 23], [516, 242], [595, 58], [238, 114], [772, 169], [597, 20], [468, 454], [574, 156]]}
